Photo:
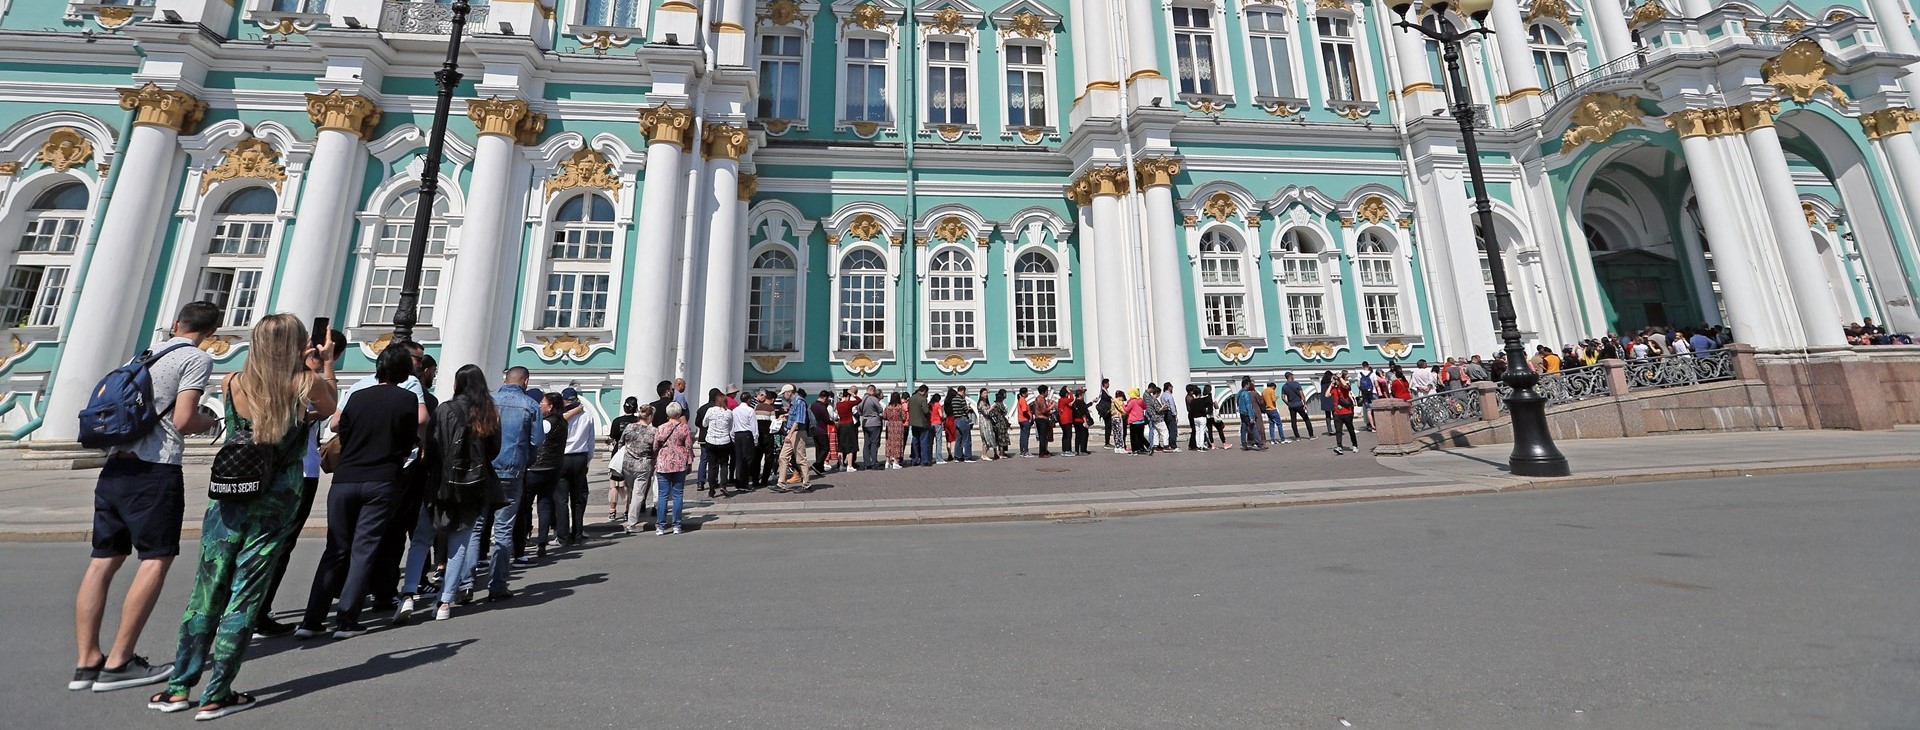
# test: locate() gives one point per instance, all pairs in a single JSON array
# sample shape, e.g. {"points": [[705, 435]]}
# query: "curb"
{"points": [[1102, 510]]}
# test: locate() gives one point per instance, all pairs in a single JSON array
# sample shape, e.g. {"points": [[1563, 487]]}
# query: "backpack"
{"points": [[120, 411]]}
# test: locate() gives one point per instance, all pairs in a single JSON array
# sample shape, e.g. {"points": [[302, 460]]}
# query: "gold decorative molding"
{"points": [[1888, 122], [1317, 350], [1220, 207], [679, 6], [1373, 210], [782, 12], [1190, 221], [1040, 362], [103, 168], [1154, 172], [587, 168], [1253, 220], [1801, 71], [866, 130], [566, 345], [1645, 13], [1404, 223], [1555, 9], [1346, 222], [833, 239], [1813, 218], [603, 40], [1516, 96], [1793, 26], [954, 364], [869, 17], [1417, 87], [1093, 86], [1838, 15], [948, 132], [777, 127], [666, 125], [769, 363], [9, 168], [1080, 192], [1705, 122], [1026, 24], [379, 344], [15, 347], [918, 241], [724, 141], [64, 149], [1285, 110], [749, 184], [1032, 135], [950, 229], [527, 132], [864, 227], [1600, 115], [1396, 348], [1205, 104], [948, 21], [355, 115], [218, 345], [1330, 4], [496, 116], [726, 27], [983, 241], [249, 158], [1354, 112], [862, 363], [1111, 180], [1236, 352], [112, 17], [1144, 73], [153, 106], [1757, 114]]}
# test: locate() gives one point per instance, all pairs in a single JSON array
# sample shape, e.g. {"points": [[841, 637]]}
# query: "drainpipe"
{"points": [[689, 213], [910, 117], [80, 272], [1136, 208]]}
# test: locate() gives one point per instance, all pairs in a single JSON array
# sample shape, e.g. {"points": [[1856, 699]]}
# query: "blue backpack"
{"points": [[121, 408]]}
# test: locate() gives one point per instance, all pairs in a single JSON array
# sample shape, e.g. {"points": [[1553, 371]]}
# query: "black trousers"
{"points": [[357, 517], [820, 446], [1139, 433], [573, 492], [717, 456], [769, 459], [1080, 434], [743, 462], [309, 487], [1296, 414]]}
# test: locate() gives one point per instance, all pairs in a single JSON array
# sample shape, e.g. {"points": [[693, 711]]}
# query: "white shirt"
{"points": [[1421, 380], [1680, 346], [743, 418], [718, 426], [580, 433], [1640, 351]]}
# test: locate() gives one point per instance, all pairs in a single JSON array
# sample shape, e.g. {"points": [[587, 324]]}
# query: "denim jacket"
{"points": [[519, 419]]}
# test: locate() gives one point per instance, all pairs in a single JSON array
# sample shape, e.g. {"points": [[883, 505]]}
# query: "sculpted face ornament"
{"points": [[1600, 115]]}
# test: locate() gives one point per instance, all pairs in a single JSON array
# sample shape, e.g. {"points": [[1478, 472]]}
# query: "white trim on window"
{"points": [[576, 267], [878, 47], [1306, 270], [1200, 76], [42, 237], [1037, 230], [1366, 97], [780, 227], [1042, 39], [847, 233], [1382, 277], [1269, 26]]}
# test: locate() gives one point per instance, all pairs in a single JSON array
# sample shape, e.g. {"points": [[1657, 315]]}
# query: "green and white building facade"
{"points": [[1025, 192]]}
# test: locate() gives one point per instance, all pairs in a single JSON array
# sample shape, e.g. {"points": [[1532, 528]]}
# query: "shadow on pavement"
{"points": [[393, 662]]}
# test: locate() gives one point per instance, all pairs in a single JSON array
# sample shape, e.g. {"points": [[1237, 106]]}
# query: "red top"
{"points": [[937, 414], [1020, 410], [845, 409], [1400, 390], [1342, 400], [1066, 410]]}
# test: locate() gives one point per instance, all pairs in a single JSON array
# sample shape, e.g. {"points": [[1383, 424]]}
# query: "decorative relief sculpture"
{"points": [[249, 158], [1600, 115]]}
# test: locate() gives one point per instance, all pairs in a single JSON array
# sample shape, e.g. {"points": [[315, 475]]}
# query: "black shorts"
{"points": [[849, 438], [137, 507]]}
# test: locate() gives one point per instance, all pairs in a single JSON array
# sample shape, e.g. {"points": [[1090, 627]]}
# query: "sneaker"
{"points": [[659, 530], [271, 629], [676, 529], [135, 673], [303, 633], [444, 612], [405, 612], [348, 631], [84, 677]]}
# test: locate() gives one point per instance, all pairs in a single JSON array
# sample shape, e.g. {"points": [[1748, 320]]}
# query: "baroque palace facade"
{"points": [[859, 191]]}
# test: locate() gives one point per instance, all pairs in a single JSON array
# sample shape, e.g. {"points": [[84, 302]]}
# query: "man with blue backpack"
{"points": [[138, 414]]}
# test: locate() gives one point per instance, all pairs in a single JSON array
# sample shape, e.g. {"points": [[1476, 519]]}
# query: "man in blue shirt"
{"points": [[1700, 342], [519, 419], [1296, 400], [793, 449], [1249, 404]]}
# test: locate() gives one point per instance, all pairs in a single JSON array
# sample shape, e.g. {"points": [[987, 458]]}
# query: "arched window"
{"points": [[950, 300], [863, 301], [1595, 240], [390, 260], [581, 261], [1550, 55], [1270, 39], [234, 274], [37, 281], [1379, 286], [1486, 274], [772, 295], [1223, 291], [1301, 284], [1036, 303]]}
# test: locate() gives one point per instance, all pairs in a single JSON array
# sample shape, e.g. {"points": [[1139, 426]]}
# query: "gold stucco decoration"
{"points": [[1555, 9], [496, 116], [1885, 122], [567, 345], [947, 132], [1793, 25], [1317, 350], [1813, 217], [1396, 348], [65, 149], [864, 227], [769, 363], [15, 347], [954, 364], [749, 185], [869, 17], [354, 115], [587, 168], [1801, 71], [1152, 172], [1373, 210], [219, 345], [1032, 135], [777, 127], [153, 106], [1040, 362], [947, 21], [1026, 24], [1330, 4], [1236, 352], [725, 141], [666, 124], [1600, 115], [252, 158], [1220, 207], [950, 229], [112, 17], [862, 364], [1645, 13], [9, 168], [782, 12], [866, 130]]}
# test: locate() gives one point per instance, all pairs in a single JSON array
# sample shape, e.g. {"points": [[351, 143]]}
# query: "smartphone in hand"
{"points": [[322, 331]]}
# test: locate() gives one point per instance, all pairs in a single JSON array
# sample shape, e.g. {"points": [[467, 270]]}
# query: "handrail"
{"points": [[7, 404], [1571, 87]]}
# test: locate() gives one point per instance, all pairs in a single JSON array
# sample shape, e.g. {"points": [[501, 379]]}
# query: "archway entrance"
{"points": [[1652, 263]]}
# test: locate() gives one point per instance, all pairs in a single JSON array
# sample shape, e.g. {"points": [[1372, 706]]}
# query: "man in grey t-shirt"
{"points": [[138, 504]]}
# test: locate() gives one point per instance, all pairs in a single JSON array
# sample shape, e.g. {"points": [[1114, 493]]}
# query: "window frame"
{"points": [[546, 265], [1056, 291], [1326, 285], [974, 308], [1289, 36], [1224, 79], [23, 212], [1393, 260], [884, 32], [968, 64], [798, 307], [397, 210], [778, 224], [1050, 104], [887, 279], [1367, 96], [800, 61], [203, 222], [1242, 289]]}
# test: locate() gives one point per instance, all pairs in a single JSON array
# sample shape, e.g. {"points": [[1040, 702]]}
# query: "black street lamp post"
{"points": [[407, 311], [1533, 451]]}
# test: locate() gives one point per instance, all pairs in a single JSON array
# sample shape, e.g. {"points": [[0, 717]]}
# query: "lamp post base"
{"points": [[1534, 454]]}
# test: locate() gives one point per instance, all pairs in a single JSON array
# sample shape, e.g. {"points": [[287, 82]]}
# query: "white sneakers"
{"points": [[444, 612]]}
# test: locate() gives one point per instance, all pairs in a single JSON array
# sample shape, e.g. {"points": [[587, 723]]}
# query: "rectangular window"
{"points": [[1272, 54], [17, 302], [50, 234], [951, 329], [576, 301], [1375, 272], [780, 59], [866, 83], [1306, 317], [1294, 272], [947, 82], [383, 295], [236, 291], [1226, 315], [1223, 270], [1035, 313], [1383, 314], [612, 13], [397, 236], [770, 313], [1338, 59], [1026, 85], [241, 238], [863, 311], [1193, 50], [580, 243]]}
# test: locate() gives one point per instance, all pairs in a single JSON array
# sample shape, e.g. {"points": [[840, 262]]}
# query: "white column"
{"points": [[1419, 94], [1114, 314], [1890, 129], [1892, 19], [1145, 76], [749, 184], [648, 341], [1696, 258], [1088, 350], [318, 249], [723, 310], [1171, 342], [468, 334], [1734, 260], [103, 330], [730, 35], [1516, 58], [1806, 273], [1610, 20], [1100, 96]]}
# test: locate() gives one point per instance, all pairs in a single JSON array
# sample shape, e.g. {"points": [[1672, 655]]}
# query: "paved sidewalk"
{"points": [[57, 506]]}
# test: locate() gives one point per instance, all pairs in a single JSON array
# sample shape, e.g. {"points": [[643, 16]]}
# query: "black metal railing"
{"points": [[427, 18]]}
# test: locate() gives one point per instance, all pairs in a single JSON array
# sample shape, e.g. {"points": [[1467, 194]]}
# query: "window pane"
{"points": [[23, 287]]}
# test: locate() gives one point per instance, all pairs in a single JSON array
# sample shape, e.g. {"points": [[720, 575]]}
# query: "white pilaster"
{"points": [[648, 343], [722, 310], [317, 251], [470, 334], [1171, 342], [1733, 256], [1089, 350], [1609, 18], [1902, 152], [1805, 273], [1100, 95], [1144, 74], [1113, 312]]}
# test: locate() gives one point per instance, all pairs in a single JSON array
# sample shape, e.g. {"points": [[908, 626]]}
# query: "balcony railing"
{"points": [[427, 18], [1572, 87]]}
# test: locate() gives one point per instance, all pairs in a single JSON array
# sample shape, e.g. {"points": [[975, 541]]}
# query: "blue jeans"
{"points": [[1249, 432], [1274, 430], [420, 550], [1026, 429], [461, 557], [672, 491], [502, 558], [963, 444], [549, 504]]}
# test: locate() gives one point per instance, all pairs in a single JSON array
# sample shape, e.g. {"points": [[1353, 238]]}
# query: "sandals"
{"points": [[236, 702], [165, 702]]}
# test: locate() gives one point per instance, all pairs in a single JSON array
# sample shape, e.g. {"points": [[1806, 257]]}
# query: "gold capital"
{"points": [[724, 141], [494, 115], [1079, 192], [1705, 122], [528, 131], [355, 115], [749, 184], [153, 106], [1757, 114], [666, 124], [1155, 172], [1111, 180], [1888, 122]]}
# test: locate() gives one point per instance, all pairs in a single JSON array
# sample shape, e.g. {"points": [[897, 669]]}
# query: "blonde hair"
{"points": [[275, 380]]}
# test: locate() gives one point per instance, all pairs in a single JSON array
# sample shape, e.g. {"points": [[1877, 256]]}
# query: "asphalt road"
{"points": [[1765, 602]]}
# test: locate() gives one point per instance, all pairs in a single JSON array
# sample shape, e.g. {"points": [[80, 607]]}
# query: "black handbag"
{"points": [[470, 478], [242, 469]]}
